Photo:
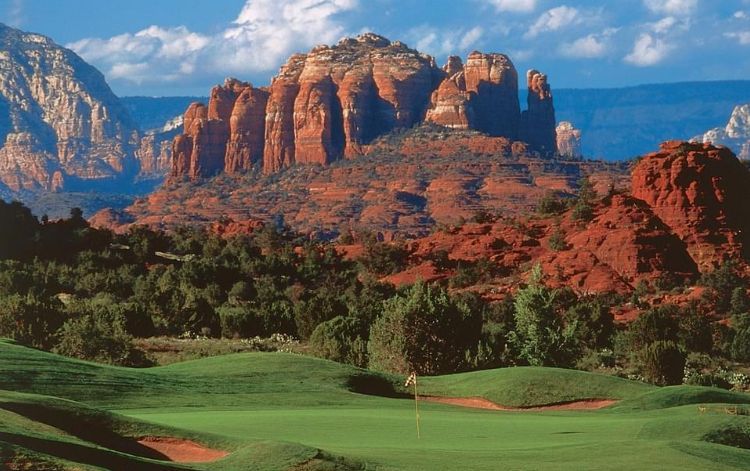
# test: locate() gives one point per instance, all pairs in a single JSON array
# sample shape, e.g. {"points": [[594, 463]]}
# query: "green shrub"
{"points": [[551, 204], [384, 259], [341, 339], [99, 336], [740, 349], [30, 321], [425, 330], [557, 241], [662, 362], [317, 308], [540, 336]]}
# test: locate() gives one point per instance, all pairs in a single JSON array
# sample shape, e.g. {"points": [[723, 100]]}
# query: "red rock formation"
{"points": [[200, 151], [222, 98], [700, 192], [538, 121], [450, 104], [317, 122], [279, 136], [493, 79], [332, 102], [628, 237], [246, 130]]}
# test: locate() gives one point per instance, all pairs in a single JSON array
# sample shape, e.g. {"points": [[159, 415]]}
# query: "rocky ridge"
{"points": [[699, 191], [61, 127], [332, 102]]}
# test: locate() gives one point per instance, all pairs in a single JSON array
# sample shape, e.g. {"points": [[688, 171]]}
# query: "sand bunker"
{"points": [[482, 403], [182, 451]]}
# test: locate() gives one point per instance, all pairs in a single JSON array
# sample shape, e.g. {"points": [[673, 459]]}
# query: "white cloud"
{"points": [[588, 47], [554, 19], [672, 7], [264, 34], [518, 6], [648, 50], [444, 42], [664, 25], [742, 37]]}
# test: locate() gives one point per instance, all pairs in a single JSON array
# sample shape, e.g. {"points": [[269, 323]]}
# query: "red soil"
{"points": [[482, 403], [182, 451]]}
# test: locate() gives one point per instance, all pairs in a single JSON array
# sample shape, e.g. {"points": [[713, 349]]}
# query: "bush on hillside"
{"points": [[99, 336], [29, 320], [423, 329], [662, 362], [541, 338], [341, 339]]}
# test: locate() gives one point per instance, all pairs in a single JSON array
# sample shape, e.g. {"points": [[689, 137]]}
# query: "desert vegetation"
{"points": [[92, 294]]}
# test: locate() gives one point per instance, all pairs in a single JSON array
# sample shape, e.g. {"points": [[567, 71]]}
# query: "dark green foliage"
{"points": [[657, 324], [663, 362], [18, 229], [696, 329], [341, 339], [97, 333], [472, 273], [593, 323], [425, 330], [557, 240], [583, 209], [541, 338], [384, 259], [551, 204], [316, 308], [740, 349], [30, 320], [725, 289]]}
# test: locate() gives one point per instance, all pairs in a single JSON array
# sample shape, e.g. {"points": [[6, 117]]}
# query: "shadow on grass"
{"points": [[91, 426], [374, 385], [83, 454]]}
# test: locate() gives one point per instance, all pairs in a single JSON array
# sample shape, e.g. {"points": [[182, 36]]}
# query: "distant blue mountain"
{"points": [[627, 122], [154, 112]]}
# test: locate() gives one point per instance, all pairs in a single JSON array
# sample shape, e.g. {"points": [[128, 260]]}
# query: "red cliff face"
{"points": [[332, 102], [246, 130], [227, 135], [700, 192], [327, 104], [279, 135], [538, 121], [450, 105], [493, 81]]}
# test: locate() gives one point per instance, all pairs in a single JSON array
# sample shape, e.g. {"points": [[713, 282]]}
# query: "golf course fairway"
{"points": [[281, 411]]}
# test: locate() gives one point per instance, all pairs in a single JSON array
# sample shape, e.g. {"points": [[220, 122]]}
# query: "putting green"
{"points": [[280, 411]]}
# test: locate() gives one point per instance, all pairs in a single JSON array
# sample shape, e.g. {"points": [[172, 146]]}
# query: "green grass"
{"points": [[282, 411]]}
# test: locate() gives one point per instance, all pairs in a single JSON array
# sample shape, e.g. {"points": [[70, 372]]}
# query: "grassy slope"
{"points": [[524, 387], [257, 403]]}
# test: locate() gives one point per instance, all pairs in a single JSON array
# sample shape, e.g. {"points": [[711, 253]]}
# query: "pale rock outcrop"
{"points": [[59, 120]]}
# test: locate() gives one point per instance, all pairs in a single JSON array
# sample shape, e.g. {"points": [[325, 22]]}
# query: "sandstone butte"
{"points": [[333, 102]]}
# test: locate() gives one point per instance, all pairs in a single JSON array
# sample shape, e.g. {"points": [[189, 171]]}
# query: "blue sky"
{"points": [[183, 47]]}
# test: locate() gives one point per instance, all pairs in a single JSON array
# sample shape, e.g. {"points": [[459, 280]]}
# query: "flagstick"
{"points": [[416, 405]]}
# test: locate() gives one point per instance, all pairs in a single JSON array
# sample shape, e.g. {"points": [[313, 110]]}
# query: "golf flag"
{"points": [[412, 381]]}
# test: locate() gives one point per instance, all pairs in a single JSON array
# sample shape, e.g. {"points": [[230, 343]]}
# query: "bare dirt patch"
{"points": [[182, 451], [482, 403]]}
